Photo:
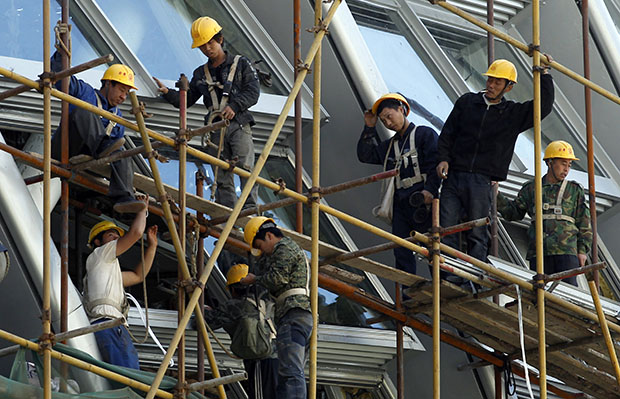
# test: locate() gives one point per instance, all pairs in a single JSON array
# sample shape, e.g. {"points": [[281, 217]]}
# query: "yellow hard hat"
{"points": [[101, 227], [560, 149], [203, 30], [391, 96], [502, 69], [120, 73], [252, 227], [236, 273]]}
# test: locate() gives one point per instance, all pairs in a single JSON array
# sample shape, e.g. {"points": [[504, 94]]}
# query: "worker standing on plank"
{"points": [[413, 151], [567, 235], [229, 86], [284, 271], [93, 135], [476, 146], [104, 293]]}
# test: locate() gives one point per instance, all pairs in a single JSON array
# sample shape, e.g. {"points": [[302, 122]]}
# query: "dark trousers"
{"points": [[87, 136], [238, 144], [558, 263], [265, 371], [402, 224], [292, 342], [466, 196]]}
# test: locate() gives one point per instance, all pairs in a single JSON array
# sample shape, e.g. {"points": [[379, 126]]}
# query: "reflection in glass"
{"points": [[21, 36], [158, 32]]}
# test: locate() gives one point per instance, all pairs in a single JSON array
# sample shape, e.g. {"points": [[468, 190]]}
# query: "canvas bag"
{"points": [[254, 334]]}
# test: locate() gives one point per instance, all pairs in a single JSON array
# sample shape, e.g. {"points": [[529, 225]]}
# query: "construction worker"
{"points": [[229, 86], [284, 271], [476, 146], [567, 235], [104, 294], [246, 303], [98, 137], [412, 150]]}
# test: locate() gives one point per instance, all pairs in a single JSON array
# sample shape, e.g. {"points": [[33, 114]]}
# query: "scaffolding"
{"points": [[574, 342]]}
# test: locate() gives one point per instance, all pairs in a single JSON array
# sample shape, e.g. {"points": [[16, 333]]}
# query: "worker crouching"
{"points": [[284, 272]]}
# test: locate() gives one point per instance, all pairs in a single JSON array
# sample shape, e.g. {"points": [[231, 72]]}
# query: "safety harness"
{"points": [[217, 106], [408, 158], [556, 210], [296, 291], [90, 305], [111, 124]]}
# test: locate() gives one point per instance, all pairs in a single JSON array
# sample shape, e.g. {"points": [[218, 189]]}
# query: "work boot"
{"points": [[129, 205], [111, 147]]}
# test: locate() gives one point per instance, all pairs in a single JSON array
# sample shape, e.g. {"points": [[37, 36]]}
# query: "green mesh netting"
{"points": [[19, 384]]}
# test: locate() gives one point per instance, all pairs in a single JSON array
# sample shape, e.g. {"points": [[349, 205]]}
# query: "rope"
{"points": [[146, 301], [521, 340], [59, 29], [217, 168]]}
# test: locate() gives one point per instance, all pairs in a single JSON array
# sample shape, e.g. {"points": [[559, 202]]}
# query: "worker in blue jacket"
{"points": [[93, 135], [413, 151], [476, 146]]}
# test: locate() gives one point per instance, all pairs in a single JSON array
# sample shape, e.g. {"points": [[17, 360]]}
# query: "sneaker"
{"points": [[112, 147], [129, 206]]}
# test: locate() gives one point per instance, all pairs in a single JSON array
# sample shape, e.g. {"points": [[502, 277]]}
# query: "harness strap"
{"points": [[262, 315], [122, 307], [411, 154], [299, 290], [216, 105], [111, 124], [557, 208]]}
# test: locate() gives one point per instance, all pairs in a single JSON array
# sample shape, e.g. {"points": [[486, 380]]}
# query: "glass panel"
{"points": [[160, 29], [22, 35], [471, 62], [409, 75]]}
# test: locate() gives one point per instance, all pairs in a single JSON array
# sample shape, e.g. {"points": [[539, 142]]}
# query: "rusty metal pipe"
{"points": [[324, 191]]}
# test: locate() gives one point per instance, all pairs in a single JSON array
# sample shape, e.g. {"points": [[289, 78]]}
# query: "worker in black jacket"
{"points": [[229, 86], [476, 146], [413, 151]]}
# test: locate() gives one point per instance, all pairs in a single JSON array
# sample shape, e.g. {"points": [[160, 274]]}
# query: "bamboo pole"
{"points": [[229, 379], [540, 291], [81, 364], [525, 48], [200, 353], [244, 195], [299, 186], [183, 86], [436, 300], [180, 252], [47, 157], [316, 176], [400, 339]]}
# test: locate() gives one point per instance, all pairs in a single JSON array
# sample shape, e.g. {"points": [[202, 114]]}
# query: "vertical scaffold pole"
{"points": [[65, 37], [400, 339], [180, 251], [593, 283], [200, 353], [542, 350], [183, 86], [299, 207], [316, 175], [47, 152], [436, 299]]}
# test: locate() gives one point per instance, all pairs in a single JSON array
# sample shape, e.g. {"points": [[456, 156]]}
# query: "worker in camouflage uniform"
{"points": [[284, 271], [566, 217], [262, 368]]}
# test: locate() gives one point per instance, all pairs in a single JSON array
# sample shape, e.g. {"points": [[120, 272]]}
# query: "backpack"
{"points": [[254, 334]]}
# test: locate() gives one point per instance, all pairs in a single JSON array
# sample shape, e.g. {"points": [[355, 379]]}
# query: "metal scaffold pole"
{"points": [[436, 298], [200, 254], [183, 86], [299, 207], [45, 342], [316, 175], [593, 278]]}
